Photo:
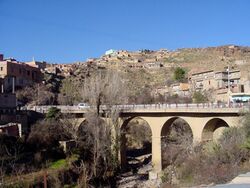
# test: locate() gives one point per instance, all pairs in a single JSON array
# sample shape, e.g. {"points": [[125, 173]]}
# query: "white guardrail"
{"points": [[76, 108]]}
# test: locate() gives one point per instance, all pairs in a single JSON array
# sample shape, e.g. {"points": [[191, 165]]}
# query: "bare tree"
{"points": [[176, 147], [84, 175], [104, 91], [104, 87], [68, 92], [94, 137], [70, 124]]}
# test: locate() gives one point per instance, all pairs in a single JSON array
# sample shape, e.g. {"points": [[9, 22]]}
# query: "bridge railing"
{"points": [[186, 105], [44, 109]]}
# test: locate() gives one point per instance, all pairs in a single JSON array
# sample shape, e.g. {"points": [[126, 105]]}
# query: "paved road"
{"points": [[241, 181]]}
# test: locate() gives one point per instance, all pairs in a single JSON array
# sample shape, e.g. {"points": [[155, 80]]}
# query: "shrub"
{"points": [[179, 74], [53, 113], [217, 162]]}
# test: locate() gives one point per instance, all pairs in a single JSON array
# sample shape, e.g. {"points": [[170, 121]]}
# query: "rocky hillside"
{"points": [[145, 71], [155, 68]]}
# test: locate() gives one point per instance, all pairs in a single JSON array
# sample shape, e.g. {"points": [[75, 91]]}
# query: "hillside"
{"points": [[146, 72], [155, 68]]}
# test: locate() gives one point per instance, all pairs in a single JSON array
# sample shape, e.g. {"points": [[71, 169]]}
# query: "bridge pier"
{"points": [[156, 157], [156, 124]]}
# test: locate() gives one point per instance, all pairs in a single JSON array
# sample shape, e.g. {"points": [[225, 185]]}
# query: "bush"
{"points": [[179, 74], [53, 113], [220, 161], [47, 134]]}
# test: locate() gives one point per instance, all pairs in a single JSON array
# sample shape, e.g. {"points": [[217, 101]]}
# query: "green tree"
{"points": [[179, 74], [53, 113]]}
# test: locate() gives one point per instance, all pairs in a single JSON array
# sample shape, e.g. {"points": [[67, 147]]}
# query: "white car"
{"points": [[82, 105]]}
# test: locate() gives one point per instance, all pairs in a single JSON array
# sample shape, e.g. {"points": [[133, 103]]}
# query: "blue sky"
{"points": [[64, 31]]}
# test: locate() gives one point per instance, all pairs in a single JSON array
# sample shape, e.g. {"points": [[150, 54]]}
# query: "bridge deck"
{"points": [[154, 108]]}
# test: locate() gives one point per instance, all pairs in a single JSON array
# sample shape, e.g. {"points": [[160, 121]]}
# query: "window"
{"points": [[242, 88], [20, 71], [1, 68], [28, 72]]}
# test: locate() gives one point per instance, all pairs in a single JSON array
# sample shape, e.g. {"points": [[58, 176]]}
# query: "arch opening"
{"points": [[94, 142], [213, 129], [81, 128], [136, 144], [176, 141]]}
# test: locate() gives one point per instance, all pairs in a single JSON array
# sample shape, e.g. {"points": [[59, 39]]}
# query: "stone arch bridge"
{"points": [[205, 122]]}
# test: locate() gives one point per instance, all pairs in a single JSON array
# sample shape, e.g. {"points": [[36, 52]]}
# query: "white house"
{"points": [[111, 52]]}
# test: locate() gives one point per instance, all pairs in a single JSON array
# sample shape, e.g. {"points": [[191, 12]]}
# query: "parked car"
{"points": [[83, 105]]}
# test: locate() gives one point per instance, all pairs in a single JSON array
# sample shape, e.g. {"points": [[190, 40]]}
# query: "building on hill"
{"points": [[41, 65], [163, 91], [15, 74], [91, 59], [203, 80], [60, 69], [134, 65], [123, 54], [223, 77], [12, 121], [52, 69], [211, 79], [153, 65], [162, 53], [111, 52], [181, 89], [222, 82]]}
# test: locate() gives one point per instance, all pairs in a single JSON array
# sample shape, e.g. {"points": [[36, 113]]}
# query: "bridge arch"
{"points": [[176, 134], [145, 148], [81, 126], [213, 129], [84, 127], [165, 130]]}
